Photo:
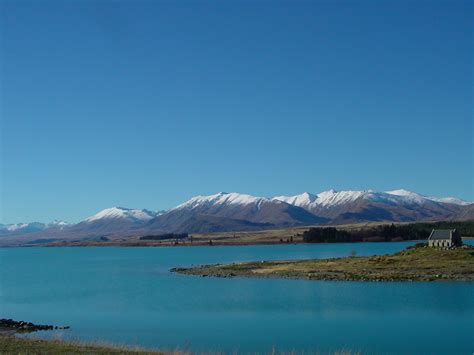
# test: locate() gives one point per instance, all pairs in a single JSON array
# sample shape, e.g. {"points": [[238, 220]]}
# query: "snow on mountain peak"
{"points": [[57, 224], [304, 199], [400, 192], [414, 197], [405, 193], [308, 196], [408, 196], [452, 200], [16, 226], [333, 197], [330, 198], [122, 213], [221, 198], [322, 199]]}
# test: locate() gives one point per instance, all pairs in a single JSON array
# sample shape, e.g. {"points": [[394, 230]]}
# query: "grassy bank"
{"points": [[417, 264], [14, 345], [10, 344]]}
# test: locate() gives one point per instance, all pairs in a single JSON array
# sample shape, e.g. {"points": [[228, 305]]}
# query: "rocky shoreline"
{"points": [[25, 327]]}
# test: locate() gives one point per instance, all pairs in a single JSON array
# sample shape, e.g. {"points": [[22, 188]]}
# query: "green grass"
{"points": [[10, 344], [419, 264]]}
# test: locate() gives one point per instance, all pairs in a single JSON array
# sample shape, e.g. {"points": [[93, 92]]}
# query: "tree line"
{"points": [[165, 236], [385, 233]]}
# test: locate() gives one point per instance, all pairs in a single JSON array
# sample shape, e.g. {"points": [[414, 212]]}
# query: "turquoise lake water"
{"points": [[128, 296]]}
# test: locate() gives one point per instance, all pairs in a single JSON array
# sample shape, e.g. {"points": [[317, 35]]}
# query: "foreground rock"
{"points": [[414, 264], [25, 327]]}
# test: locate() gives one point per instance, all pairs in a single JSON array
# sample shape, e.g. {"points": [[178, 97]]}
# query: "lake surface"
{"points": [[128, 296]]}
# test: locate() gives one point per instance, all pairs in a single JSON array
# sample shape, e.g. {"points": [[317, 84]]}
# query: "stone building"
{"points": [[446, 238]]}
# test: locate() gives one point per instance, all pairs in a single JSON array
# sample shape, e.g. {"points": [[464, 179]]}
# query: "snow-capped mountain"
{"points": [[240, 212], [329, 198], [417, 198], [26, 228], [219, 211], [369, 205], [57, 224], [112, 221], [452, 200], [122, 213], [22, 228], [19, 226], [221, 198], [333, 198]]}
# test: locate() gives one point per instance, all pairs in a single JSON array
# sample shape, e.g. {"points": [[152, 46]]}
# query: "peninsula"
{"points": [[420, 263]]}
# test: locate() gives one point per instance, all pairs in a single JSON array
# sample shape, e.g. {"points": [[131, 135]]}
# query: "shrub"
{"points": [[165, 236]]}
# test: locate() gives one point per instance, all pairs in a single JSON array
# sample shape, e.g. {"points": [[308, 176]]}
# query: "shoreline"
{"points": [[10, 325], [215, 244], [13, 344], [421, 264], [11, 341]]}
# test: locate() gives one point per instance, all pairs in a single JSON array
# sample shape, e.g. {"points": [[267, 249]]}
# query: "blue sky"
{"points": [[147, 103]]}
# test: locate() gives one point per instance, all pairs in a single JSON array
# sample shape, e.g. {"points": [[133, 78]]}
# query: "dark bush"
{"points": [[328, 235], [387, 232], [165, 236]]}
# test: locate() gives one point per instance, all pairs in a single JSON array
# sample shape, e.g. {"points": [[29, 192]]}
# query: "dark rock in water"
{"points": [[25, 327]]}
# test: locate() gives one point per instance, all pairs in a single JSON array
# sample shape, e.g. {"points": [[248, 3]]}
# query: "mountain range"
{"points": [[240, 212]]}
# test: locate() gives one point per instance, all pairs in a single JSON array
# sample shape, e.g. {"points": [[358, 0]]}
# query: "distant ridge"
{"points": [[242, 212]]}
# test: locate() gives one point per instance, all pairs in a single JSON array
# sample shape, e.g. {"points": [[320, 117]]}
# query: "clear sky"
{"points": [[145, 104]]}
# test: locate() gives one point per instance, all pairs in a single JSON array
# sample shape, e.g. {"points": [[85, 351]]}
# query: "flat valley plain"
{"points": [[293, 235], [277, 236]]}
